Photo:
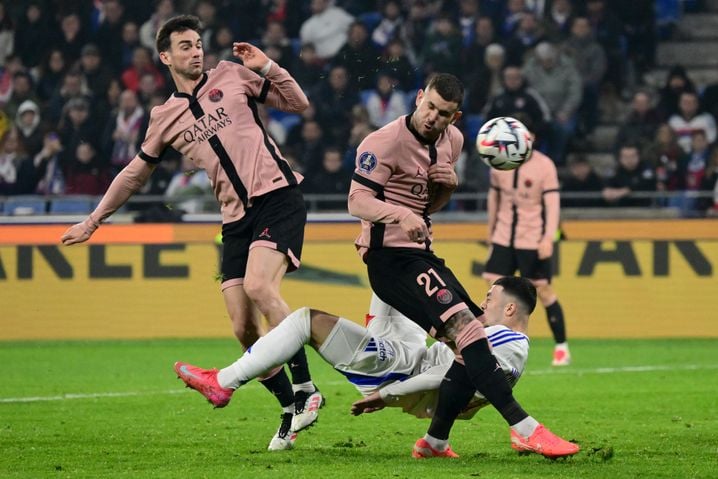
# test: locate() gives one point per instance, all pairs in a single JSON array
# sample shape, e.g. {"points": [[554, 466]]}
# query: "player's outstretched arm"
{"points": [[284, 92], [125, 184]]}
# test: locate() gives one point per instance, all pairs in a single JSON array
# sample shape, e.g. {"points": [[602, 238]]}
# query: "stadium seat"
{"points": [[71, 205], [25, 205], [364, 96], [370, 20], [473, 124], [288, 121]]}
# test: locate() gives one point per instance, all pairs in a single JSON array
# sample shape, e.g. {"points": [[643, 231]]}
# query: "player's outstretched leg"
{"points": [[423, 450], [543, 442], [204, 381]]}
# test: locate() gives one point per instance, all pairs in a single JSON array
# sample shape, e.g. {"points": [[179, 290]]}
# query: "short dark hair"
{"points": [[447, 86], [521, 289], [176, 24]]}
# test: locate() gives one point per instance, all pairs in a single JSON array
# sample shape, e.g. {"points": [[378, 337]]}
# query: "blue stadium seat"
{"points": [[296, 46], [473, 124], [370, 20], [71, 205], [25, 205], [364, 96], [289, 121]]}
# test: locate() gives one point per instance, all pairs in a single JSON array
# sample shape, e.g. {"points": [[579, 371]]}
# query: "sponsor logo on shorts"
{"points": [[444, 296], [215, 94], [367, 162], [265, 233]]}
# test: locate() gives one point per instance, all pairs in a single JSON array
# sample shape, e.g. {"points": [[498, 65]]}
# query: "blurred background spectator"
{"points": [[582, 73]]}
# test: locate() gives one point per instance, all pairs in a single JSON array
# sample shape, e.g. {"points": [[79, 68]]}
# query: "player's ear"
{"points": [[164, 58], [457, 116], [419, 97]]}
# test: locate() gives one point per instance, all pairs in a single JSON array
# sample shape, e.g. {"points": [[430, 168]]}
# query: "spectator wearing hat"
{"points": [[97, 76], [77, 125]]}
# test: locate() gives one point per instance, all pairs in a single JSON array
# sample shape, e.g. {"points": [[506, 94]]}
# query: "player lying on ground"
{"points": [[388, 362]]}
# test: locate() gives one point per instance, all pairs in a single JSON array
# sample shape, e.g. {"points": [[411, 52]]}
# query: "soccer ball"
{"points": [[504, 143]]}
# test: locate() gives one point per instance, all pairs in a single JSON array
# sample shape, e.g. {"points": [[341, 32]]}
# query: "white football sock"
{"points": [[275, 348], [526, 427], [437, 444], [307, 387]]}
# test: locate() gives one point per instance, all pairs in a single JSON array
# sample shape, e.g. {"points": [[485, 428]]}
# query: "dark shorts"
{"points": [[419, 285], [275, 220], [504, 261]]}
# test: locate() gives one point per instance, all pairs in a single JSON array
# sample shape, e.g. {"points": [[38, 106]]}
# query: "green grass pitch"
{"points": [[639, 409]]}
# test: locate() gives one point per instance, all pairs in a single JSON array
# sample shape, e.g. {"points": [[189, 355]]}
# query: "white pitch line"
{"points": [[540, 372]]}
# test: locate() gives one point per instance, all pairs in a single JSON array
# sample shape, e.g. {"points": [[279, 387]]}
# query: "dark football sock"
{"points": [[280, 386], [554, 313], [488, 378], [455, 392], [299, 368]]}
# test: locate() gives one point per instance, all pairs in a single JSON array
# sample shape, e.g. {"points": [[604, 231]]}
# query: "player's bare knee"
{"points": [[262, 293]]}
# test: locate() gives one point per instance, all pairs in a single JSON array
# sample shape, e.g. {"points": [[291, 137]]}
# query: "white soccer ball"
{"points": [[504, 143]]}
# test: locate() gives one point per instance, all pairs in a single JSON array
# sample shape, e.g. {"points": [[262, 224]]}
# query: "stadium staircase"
{"points": [[694, 44]]}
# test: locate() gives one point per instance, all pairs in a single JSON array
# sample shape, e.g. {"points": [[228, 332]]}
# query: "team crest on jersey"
{"points": [[215, 94], [444, 296], [367, 162], [528, 183]]}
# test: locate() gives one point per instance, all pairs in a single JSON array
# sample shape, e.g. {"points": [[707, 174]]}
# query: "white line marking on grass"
{"points": [[64, 397], [539, 372], [623, 369]]}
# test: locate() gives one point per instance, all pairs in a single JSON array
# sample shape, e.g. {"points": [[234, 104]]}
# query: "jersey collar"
{"points": [[419, 138], [195, 91]]}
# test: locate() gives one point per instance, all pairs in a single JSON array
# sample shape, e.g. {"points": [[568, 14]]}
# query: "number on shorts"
{"points": [[424, 279]]}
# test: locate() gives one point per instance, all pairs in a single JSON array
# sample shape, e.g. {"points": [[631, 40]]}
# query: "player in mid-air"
{"points": [[523, 215], [388, 361], [404, 172], [213, 120]]}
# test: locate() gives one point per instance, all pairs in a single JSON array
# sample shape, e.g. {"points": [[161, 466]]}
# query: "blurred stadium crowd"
{"points": [[78, 79]]}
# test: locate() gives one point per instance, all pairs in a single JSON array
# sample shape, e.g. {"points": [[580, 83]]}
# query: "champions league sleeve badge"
{"points": [[367, 162]]}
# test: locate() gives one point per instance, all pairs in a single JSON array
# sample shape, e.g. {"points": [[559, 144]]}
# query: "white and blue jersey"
{"points": [[390, 355]]}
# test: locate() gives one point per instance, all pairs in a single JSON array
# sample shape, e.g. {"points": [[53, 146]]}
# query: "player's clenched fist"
{"points": [[252, 57], [415, 228], [80, 232], [444, 174]]}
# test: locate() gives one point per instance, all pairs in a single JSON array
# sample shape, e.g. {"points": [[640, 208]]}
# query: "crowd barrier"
{"points": [[621, 279]]}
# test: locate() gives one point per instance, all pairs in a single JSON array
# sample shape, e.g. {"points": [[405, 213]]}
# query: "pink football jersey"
{"points": [[219, 129], [392, 164], [521, 218]]}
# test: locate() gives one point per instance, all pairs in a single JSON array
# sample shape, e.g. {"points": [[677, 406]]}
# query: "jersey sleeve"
{"points": [[374, 167], [277, 89], [153, 145]]}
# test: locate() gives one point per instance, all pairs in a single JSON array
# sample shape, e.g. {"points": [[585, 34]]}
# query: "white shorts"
{"points": [[369, 361]]}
